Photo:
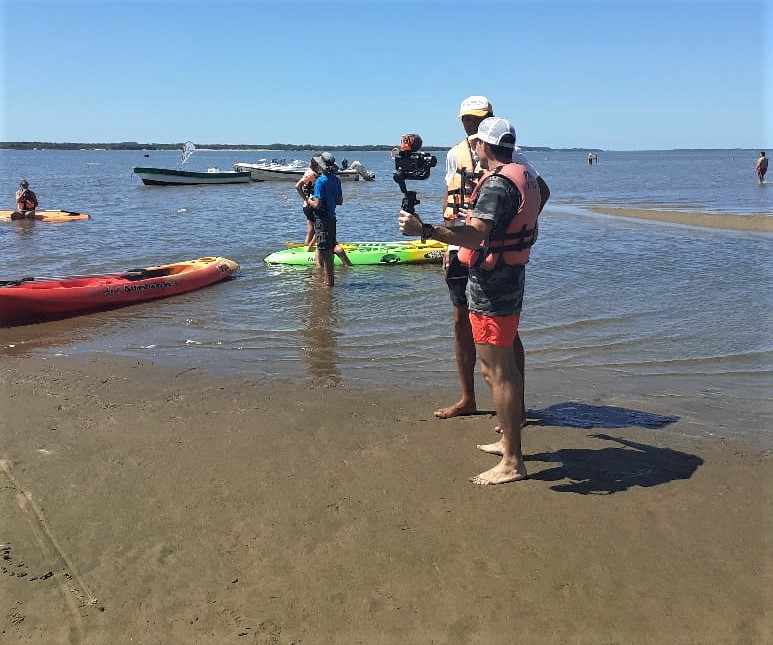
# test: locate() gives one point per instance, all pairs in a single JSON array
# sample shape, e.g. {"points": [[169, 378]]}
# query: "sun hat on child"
{"points": [[326, 161]]}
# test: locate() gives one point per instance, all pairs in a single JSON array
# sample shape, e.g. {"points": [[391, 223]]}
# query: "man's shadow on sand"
{"points": [[612, 469]]}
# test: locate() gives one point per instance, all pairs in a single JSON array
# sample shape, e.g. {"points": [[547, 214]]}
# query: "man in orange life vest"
{"points": [[503, 214], [26, 202]]}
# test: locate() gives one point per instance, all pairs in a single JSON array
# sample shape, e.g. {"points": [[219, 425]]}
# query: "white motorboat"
{"points": [[281, 170]]}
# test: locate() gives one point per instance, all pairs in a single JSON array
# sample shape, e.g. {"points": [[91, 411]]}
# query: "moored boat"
{"points": [[399, 252], [30, 300], [280, 170], [172, 177]]}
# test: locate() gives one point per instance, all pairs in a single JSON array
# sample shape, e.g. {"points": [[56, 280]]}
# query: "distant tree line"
{"points": [[133, 145]]}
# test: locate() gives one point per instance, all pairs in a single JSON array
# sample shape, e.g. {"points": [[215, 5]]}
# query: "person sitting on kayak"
{"points": [[26, 202]]}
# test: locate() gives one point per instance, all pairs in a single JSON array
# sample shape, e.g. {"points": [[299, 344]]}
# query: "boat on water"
{"points": [[46, 216], [362, 253], [30, 300], [171, 177], [282, 170]]}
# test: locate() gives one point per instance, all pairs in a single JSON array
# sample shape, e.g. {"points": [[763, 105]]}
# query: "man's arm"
{"points": [[299, 187], [315, 200], [544, 193], [467, 235]]}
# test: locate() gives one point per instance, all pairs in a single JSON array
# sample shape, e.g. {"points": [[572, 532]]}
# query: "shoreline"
{"points": [[173, 506], [759, 223]]}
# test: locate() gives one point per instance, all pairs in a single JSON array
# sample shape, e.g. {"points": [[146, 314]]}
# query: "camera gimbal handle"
{"points": [[409, 196]]}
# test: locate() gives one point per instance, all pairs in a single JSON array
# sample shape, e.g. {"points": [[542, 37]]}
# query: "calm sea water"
{"points": [[615, 307]]}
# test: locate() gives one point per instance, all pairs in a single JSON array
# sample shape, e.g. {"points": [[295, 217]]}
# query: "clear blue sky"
{"points": [[614, 74]]}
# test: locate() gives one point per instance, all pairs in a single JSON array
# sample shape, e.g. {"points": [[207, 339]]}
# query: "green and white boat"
{"points": [[171, 177]]}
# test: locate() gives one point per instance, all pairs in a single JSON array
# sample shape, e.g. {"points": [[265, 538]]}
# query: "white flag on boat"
{"points": [[188, 150]]}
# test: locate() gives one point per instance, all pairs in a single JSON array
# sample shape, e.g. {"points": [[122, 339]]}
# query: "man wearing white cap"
{"points": [[462, 173], [499, 229]]}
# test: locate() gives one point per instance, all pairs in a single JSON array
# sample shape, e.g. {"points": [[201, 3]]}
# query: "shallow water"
{"points": [[651, 308]]}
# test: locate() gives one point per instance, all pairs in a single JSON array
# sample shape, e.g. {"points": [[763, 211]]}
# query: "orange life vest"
{"points": [[26, 201], [466, 176], [513, 245]]}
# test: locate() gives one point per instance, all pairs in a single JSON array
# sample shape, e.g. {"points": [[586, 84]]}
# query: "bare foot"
{"points": [[499, 474], [457, 409], [492, 448]]}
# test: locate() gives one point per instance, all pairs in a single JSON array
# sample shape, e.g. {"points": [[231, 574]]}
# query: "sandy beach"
{"points": [[147, 505], [760, 223]]}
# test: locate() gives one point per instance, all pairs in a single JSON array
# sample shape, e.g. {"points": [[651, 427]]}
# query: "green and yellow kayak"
{"points": [[47, 216], [360, 253]]}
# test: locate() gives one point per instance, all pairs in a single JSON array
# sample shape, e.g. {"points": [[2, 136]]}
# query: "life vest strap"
{"points": [[525, 235]]}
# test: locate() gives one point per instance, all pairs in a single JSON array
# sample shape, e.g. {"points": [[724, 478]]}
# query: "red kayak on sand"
{"points": [[35, 299]]}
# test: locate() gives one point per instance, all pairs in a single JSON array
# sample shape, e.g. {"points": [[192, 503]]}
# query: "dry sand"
{"points": [[147, 506]]}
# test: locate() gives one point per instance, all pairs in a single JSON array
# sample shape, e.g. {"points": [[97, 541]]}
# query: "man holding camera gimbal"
{"points": [[502, 212]]}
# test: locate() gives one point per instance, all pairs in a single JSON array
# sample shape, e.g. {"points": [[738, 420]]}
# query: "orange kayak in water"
{"points": [[46, 216]]}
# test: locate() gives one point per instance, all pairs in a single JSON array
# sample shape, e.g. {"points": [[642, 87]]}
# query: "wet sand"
{"points": [[757, 223], [146, 505]]}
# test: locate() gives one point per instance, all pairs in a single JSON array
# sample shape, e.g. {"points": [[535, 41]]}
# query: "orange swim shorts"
{"points": [[499, 331]]}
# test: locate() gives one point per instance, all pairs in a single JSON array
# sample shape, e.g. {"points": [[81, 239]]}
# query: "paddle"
{"points": [[131, 274], [14, 283]]}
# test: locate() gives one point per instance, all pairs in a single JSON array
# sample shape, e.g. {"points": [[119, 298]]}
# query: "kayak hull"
{"points": [[367, 253], [48, 216], [34, 300]]}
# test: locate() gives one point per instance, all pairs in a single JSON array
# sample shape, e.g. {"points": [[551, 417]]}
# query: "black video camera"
{"points": [[411, 164]]}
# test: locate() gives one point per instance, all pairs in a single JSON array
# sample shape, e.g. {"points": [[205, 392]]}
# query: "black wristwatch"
{"points": [[426, 231]]}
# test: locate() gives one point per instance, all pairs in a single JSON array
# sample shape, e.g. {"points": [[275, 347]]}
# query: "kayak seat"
{"points": [[144, 274]]}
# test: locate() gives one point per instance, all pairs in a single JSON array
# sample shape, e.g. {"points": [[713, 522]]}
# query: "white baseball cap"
{"points": [[496, 131], [475, 106]]}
